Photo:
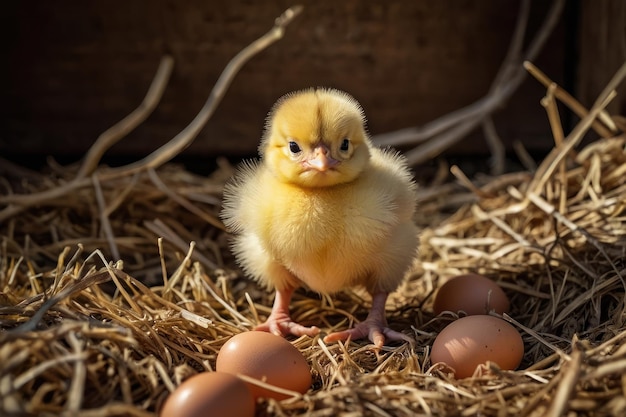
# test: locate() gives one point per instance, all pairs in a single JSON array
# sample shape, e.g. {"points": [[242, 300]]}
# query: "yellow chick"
{"points": [[323, 208]]}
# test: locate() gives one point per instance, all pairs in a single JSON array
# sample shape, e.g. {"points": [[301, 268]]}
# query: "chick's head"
{"points": [[316, 138]]}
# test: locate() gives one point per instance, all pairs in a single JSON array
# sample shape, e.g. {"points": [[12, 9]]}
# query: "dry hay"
{"points": [[83, 335]]}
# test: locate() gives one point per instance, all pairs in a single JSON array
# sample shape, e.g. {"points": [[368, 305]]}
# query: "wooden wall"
{"points": [[73, 68], [602, 46]]}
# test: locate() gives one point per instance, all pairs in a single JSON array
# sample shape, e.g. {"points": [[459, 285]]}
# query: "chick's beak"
{"points": [[321, 160]]}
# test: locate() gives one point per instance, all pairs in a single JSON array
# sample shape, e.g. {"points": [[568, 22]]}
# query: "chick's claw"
{"points": [[377, 332], [281, 325], [374, 328]]}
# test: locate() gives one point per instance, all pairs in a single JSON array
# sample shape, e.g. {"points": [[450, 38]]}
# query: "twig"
{"points": [[104, 218], [419, 134], [514, 53], [182, 140], [522, 154], [451, 128], [605, 129], [496, 147], [129, 123], [467, 183], [497, 95], [175, 145]]}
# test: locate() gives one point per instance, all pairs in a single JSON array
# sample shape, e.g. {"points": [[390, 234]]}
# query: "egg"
{"points": [[266, 357], [471, 293], [473, 340], [210, 394]]}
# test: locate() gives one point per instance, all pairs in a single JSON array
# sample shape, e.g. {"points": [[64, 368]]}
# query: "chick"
{"points": [[323, 208]]}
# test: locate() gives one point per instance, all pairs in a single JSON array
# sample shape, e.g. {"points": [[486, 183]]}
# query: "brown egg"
{"points": [[210, 394], [266, 357], [473, 340], [471, 293]]}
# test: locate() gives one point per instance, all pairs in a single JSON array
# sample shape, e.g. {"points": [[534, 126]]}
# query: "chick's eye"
{"points": [[345, 145], [294, 147]]}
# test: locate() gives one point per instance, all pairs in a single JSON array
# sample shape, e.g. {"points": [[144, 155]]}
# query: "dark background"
{"points": [[73, 68]]}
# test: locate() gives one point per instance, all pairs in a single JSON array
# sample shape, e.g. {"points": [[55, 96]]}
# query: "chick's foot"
{"points": [[377, 332], [280, 323], [374, 328]]}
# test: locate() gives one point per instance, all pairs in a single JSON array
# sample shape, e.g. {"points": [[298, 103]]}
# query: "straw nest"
{"points": [[105, 306]]}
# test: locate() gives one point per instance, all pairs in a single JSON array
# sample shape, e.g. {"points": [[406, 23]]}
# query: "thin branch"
{"points": [[524, 156], [449, 129], [182, 140], [414, 135], [605, 127], [175, 145], [498, 152], [104, 219], [462, 178], [129, 123]]}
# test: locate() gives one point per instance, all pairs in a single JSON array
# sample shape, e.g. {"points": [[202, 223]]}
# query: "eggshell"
{"points": [[266, 357], [473, 340], [210, 394], [471, 293]]}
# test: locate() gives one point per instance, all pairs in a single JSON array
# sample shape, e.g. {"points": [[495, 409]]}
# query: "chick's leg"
{"points": [[374, 327], [279, 322]]}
